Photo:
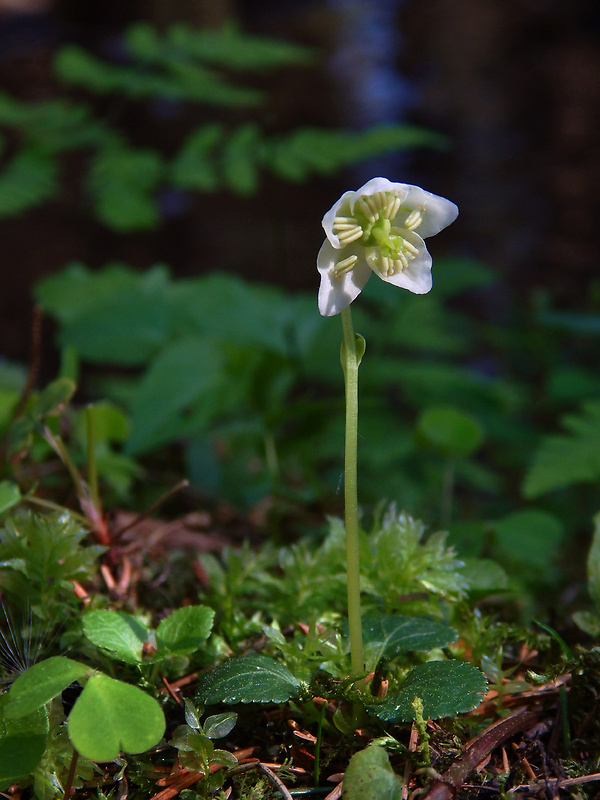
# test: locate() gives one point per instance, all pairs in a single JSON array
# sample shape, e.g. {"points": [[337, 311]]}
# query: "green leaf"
{"points": [[389, 636], [369, 776], [176, 379], [10, 495], [184, 630], [121, 635], [22, 743], [563, 460], [40, 683], [110, 716], [452, 433], [529, 537], [446, 688], [219, 725], [56, 396], [114, 316], [250, 679], [593, 564], [484, 577]]}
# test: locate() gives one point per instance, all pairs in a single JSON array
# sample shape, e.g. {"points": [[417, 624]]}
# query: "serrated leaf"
{"points": [[184, 630], [120, 634], [40, 683], [389, 636], [110, 716], [369, 776], [446, 688], [22, 743], [255, 678]]}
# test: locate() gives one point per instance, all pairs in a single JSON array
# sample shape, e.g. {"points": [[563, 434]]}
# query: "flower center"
{"points": [[388, 249]]}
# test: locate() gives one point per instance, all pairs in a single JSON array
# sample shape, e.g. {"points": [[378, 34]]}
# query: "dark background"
{"points": [[515, 85]]}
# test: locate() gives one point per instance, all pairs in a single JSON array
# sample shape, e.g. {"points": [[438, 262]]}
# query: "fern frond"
{"points": [[27, 180], [213, 157], [122, 182], [179, 81], [196, 166], [565, 459], [57, 125], [311, 150], [228, 48]]}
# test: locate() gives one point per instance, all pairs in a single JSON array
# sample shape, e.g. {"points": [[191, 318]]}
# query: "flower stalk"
{"points": [[351, 355]]}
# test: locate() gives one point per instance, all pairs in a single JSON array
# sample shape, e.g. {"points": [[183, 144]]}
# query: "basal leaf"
{"points": [[184, 630], [250, 679], [122, 635], [389, 636], [110, 716], [446, 688], [369, 776], [40, 683]]}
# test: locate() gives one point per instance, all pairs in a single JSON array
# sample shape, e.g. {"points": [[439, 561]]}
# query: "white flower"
{"points": [[375, 230]]}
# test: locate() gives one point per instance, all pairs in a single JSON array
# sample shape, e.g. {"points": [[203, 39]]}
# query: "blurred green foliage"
{"points": [[123, 181], [245, 379]]}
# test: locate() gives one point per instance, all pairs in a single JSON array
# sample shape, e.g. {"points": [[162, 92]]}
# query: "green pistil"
{"points": [[371, 225]]}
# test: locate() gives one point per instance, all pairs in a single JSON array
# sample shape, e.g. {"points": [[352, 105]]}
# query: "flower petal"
{"points": [[439, 212], [416, 277], [380, 185], [337, 292], [346, 201]]}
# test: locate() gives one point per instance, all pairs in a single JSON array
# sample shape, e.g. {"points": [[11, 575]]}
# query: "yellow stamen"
{"points": [[346, 237], [414, 219], [344, 266]]}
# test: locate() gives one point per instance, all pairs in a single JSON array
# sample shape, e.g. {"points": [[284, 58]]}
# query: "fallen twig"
{"points": [[446, 785]]}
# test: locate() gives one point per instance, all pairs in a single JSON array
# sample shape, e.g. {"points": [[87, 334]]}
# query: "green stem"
{"points": [[350, 363], [447, 492], [91, 455]]}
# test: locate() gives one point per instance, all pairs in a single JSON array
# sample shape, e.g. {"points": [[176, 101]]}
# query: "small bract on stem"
{"points": [[378, 229]]}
